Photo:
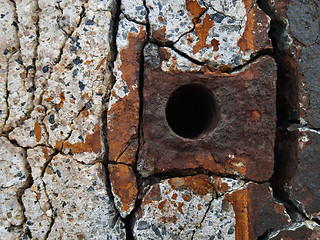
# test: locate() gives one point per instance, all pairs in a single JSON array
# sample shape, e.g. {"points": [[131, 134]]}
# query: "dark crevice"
{"points": [[113, 40], [177, 173], [128, 220], [254, 57], [264, 236], [133, 20], [170, 45], [104, 116], [285, 150]]}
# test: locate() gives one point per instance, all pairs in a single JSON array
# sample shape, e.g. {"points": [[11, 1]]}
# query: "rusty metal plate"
{"points": [[240, 139]]}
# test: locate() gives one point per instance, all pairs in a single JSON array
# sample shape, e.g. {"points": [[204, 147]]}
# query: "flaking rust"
{"points": [[123, 122]]}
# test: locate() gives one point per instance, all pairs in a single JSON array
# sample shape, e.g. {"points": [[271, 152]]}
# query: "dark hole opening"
{"points": [[191, 111]]}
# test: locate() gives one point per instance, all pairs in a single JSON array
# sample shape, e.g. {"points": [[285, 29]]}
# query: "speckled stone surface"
{"points": [[77, 157], [80, 201], [14, 176]]}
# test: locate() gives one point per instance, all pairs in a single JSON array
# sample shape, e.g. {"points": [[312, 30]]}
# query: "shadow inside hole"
{"points": [[191, 111]]}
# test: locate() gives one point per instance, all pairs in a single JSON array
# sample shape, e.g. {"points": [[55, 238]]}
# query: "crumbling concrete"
{"points": [[145, 119]]}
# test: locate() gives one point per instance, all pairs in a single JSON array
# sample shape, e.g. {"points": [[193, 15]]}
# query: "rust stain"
{"points": [[58, 144], [125, 113], [100, 64], [240, 201], [159, 34], [129, 154], [215, 44], [88, 62], [255, 116], [160, 19], [174, 196], [85, 113], [202, 31], [62, 98], [195, 9], [246, 41], [187, 197], [162, 204], [37, 131], [92, 143], [48, 99], [123, 184], [180, 205], [189, 39], [199, 184], [46, 153]]}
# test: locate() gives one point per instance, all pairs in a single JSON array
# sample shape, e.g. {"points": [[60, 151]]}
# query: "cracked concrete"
{"points": [[80, 156]]}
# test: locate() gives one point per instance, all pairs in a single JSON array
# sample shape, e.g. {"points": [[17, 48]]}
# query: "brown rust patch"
{"points": [[180, 205], [195, 9], [45, 151], [162, 204], [124, 185], [129, 154], [255, 116], [159, 34], [37, 131], [92, 143], [124, 114], [202, 31], [199, 184], [62, 98], [247, 39], [215, 44]]}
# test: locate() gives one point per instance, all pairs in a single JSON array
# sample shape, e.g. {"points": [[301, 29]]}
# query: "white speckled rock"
{"points": [[19, 87], [27, 14], [81, 204], [134, 10], [174, 208], [31, 132], [75, 92], [216, 35], [8, 232], [170, 19], [171, 61], [219, 222], [38, 211], [14, 176]]}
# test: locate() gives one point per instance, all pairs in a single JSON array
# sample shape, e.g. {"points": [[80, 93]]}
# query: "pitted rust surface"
{"points": [[242, 142]]}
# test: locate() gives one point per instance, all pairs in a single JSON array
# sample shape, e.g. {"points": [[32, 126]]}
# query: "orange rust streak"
{"points": [[246, 42], [202, 31], [215, 44], [195, 9], [125, 112], [92, 143], [123, 184], [100, 64], [37, 131], [240, 201]]}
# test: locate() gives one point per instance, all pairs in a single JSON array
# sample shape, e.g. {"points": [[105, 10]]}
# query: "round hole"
{"points": [[191, 111]]}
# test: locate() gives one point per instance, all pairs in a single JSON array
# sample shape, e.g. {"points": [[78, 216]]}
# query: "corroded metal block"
{"points": [[237, 140]]}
